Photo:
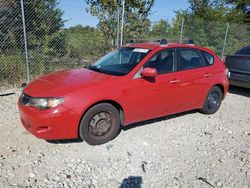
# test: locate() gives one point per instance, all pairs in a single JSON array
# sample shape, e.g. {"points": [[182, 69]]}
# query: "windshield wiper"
{"points": [[95, 69]]}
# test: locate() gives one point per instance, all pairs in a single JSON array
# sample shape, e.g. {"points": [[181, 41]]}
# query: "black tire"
{"points": [[213, 101], [100, 124]]}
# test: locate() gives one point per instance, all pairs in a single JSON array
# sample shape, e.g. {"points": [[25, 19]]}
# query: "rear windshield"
{"points": [[245, 51]]}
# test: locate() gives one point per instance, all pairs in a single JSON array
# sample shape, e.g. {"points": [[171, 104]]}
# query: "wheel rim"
{"points": [[213, 100], [100, 124]]}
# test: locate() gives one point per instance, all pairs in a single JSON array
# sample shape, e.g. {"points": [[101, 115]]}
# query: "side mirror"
{"points": [[149, 73]]}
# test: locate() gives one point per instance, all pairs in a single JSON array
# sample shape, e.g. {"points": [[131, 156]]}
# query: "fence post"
{"points": [[225, 41], [122, 24], [182, 25], [25, 43], [118, 28]]}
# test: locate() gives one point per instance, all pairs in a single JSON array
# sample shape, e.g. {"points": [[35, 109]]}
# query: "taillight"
{"points": [[223, 59]]}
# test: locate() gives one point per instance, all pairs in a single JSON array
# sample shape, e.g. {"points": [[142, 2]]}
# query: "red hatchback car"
{"points": [[134, 83]]}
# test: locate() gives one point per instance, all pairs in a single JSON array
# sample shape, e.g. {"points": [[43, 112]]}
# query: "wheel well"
{"points": [[221, 88], [114, 103]]}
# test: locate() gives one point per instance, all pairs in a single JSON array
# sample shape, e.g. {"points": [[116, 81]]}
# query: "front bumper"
{"points": [[52, 124]]}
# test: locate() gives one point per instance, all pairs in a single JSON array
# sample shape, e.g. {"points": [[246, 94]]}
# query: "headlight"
{"points": [[44, 103]]}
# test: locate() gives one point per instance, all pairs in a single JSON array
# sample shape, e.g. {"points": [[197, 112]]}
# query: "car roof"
{"points": [[245, 50], [155, 45]]}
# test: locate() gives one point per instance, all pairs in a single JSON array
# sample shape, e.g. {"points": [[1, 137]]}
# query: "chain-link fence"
{"points": [[51, 47], [224, 38], [12, 66]]}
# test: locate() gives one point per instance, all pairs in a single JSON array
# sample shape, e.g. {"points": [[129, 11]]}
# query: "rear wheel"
{"points": [[213, 101], [100, 124]]}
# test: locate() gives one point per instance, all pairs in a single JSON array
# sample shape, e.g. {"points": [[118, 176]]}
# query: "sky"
{"points": [[75, 11]]}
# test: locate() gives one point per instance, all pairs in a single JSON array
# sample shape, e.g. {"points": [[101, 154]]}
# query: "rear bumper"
{"points": [[241, 79], [239, 83], [52, 124]]}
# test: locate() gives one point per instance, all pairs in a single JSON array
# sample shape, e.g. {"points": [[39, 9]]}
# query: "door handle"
{"points": [[207, 74], [175, 81]]}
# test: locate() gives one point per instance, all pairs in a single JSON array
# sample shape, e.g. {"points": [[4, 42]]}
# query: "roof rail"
{"points": [[163, 42], [191, 41]]}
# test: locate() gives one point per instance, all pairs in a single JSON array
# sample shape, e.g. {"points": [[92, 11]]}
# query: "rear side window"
{"points": [[190, 59], [208, 58]]}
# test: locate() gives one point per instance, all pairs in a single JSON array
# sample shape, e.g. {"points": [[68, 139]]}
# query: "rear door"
{"points": [[195, 74]]}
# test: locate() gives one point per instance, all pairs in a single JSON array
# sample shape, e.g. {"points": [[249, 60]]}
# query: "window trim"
{"points": [[203, 54]]}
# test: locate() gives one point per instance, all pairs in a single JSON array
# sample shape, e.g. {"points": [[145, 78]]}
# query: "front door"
{"points": [[155, 97]]}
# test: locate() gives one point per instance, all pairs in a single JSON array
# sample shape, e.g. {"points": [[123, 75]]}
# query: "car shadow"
{"points": [[68, 141], [128, 127], [164, 118], [131, 182], [239, 91]]}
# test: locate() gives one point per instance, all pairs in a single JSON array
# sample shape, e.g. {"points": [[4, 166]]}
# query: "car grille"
{"points": [[25, 99]]}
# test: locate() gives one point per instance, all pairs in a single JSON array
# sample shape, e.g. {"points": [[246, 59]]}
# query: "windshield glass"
{"points": [[120, 62]]}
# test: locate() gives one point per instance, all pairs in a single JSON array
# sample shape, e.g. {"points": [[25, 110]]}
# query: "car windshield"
{"points": [[120, 62]]}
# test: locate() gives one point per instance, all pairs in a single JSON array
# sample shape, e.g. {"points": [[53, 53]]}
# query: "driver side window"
{"points": [[162, 61]]}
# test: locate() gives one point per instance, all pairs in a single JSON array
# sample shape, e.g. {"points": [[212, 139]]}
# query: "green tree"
{"points": [[206, 21], [85, 43], [10, 26], [43, 24], [242, 6], [175, 29], [161, 28], [212, 10], [136, 23]]}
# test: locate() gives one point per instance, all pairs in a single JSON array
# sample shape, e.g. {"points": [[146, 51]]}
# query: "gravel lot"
{"points": [[184, 150]]}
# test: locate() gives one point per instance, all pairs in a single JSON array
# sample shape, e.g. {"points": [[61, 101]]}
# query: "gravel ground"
{"points": [[184, 150]]}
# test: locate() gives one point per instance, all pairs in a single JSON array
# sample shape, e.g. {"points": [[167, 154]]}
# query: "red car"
{"points": [[134, 83]]}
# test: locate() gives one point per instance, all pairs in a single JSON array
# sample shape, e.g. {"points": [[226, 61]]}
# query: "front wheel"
{"points": [[213, 101], [100, 124]]}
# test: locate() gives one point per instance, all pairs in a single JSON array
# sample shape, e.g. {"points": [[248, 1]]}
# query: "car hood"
{"points": [[64, 82]]}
